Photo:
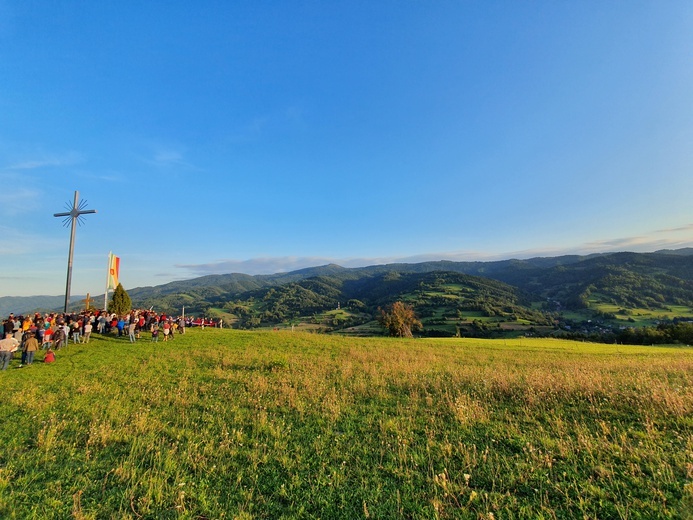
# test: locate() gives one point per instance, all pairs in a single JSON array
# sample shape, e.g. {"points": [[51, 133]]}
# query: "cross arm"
{"points": [[74, 213]]}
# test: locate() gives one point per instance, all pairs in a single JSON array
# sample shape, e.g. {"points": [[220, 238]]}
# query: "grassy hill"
{"points": [[253, 425]]}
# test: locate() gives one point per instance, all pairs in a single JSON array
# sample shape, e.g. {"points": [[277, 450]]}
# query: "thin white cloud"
{"points": [[273, 265], [660, 239], [115, 177], [682, 229], [267, 265], [17, 242], [657, 240], [169, 157], [289, 118], [19, 200], [40, 161]]}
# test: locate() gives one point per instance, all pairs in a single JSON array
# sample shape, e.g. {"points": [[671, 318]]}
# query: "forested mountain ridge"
{"points": [[441, 296], [647, 280], [533, 291], [451, 296]]}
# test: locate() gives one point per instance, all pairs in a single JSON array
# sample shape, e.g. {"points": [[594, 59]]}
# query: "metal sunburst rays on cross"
{"points": [[76, 210]]}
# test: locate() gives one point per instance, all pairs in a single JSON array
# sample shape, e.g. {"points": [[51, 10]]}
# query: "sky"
{"points": [[258, 137]]}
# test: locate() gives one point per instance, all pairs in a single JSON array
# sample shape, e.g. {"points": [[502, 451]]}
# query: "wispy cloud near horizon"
{"points": [[17, 242], [660, 239]]}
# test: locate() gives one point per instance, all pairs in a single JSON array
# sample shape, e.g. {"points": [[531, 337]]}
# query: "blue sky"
{"points": [[258, 137]]}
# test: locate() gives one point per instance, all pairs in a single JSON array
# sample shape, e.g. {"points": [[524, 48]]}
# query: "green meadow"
{"points": [[249, 425], [637, 317]]}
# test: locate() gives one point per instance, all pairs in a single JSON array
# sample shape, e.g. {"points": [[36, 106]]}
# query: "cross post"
{"points": [[72, 216]]}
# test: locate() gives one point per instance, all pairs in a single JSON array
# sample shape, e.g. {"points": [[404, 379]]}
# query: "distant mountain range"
{"points": [[23, 304], [630, 280]]}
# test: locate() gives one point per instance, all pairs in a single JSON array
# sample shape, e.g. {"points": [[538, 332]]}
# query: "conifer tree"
{"points": [[120, 303]]}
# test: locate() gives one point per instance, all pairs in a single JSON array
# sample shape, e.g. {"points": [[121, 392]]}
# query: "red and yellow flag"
{"points": [[113, 271]]}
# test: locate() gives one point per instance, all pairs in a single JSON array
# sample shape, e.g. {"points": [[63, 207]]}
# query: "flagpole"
{"points": [[108, 274]]}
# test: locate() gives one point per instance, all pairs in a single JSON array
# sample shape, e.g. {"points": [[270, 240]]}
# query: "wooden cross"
{"points": [[87, 301]]}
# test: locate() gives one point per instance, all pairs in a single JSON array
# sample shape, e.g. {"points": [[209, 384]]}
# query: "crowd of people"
{"points": [[53, 331]]}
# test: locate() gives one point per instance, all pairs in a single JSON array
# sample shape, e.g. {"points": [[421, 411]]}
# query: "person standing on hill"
{"points": [[131, 330], [181, 325], [18, 332], [87, 332], [155, 332], [26, 324], [47, 337], [22, 345], [58, 337], [76, 327], [7, 348], [9, 325], [121, 326], [31, 345]]}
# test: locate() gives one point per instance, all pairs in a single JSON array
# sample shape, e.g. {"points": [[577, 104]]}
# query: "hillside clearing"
{"points": [[229, 424]]}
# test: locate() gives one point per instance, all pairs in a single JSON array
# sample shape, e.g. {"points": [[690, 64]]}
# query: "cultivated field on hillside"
{"points": [[231, 424]]}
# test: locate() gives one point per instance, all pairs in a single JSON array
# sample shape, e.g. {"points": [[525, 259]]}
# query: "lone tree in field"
{"points": [[120, 303], [399, 319]]}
